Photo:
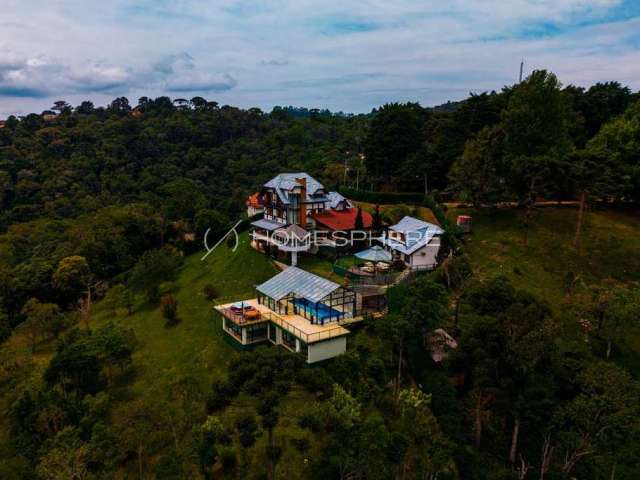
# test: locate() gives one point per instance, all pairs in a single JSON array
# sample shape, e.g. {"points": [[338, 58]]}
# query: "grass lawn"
{"points": [[195, 347], [610, 249], [324, 266]]}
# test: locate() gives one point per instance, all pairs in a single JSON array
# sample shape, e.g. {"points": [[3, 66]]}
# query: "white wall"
{"points": [[327, 349], [427, 255]]}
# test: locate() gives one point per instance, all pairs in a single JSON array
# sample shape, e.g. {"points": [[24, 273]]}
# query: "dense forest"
{"points": [[100, 206]]}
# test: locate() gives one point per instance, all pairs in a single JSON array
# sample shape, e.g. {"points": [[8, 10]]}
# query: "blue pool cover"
{"points": [[323, 311]]}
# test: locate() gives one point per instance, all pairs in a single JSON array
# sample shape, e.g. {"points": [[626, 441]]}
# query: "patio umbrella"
{"points": [[374, 254]]}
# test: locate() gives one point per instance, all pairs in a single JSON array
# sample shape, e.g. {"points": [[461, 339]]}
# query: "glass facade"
{"points": [[256, 333]]}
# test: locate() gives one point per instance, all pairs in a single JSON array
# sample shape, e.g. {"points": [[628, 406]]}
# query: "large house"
{"points": [[414, 242], [301, 311], [300, 215]]}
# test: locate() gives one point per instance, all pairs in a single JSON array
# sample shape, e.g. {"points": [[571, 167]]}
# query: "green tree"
{"points": [[73, 276], [247, 429], [114, 346], [613, 312], [359, 223], [603, 415], [154, 268], [41, 318], [620, 138], [395, 133], [479, 174], [119, 297], [377, 220], [593, 173], [536, 137], [66, 457], [76, 365], [217, 222], [207, 439], [603, 102]]}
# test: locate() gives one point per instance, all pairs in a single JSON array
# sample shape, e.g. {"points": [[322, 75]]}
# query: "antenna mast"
{"points": [[521, 70]]}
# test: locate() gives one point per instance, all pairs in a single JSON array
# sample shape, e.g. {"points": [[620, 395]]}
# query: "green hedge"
{"points": [[381, 197]]}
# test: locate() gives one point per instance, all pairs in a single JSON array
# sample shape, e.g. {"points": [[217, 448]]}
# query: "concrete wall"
{"points": [[327, 349]]}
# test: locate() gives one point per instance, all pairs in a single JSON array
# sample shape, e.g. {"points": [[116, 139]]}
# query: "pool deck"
{"points": [[294, 324]]}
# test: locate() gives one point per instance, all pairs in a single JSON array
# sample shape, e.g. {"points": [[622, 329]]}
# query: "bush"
{"points": [[301, 444], [169, 306], [227, 458], [310, 421], [5, 327], [221, 394], [396, 213], [210, 292]]}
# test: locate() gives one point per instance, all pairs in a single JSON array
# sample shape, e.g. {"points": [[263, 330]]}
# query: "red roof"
{"points": [[342, 220], [254, 200]]}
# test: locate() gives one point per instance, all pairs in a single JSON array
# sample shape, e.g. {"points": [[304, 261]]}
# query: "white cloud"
{"points": [[343, 55]]}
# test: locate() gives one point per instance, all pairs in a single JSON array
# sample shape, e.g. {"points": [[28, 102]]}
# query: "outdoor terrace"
{"points": [[294, 324]]}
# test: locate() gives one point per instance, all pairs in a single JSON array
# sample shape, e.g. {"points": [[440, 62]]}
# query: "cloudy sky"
{"points": [[336, 54]]}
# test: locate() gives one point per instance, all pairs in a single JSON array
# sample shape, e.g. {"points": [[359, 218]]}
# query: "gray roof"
{"points": [[401, 247], [335, 198], [285, 182], [299, 282], [417, 234], [267, 224], [411, 224]]}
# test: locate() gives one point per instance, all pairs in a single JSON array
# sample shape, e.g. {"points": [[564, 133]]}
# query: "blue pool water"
{"points": [[323, 312]]}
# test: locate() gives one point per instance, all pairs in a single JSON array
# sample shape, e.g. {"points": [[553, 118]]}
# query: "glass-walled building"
{"points": [[296, 309], [298, 292]]}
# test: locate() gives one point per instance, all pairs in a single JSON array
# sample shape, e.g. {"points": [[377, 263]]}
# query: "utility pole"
{"points": [[344, 178]]}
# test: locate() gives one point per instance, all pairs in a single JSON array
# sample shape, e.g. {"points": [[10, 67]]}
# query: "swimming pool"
{"points": [[324, 312]]}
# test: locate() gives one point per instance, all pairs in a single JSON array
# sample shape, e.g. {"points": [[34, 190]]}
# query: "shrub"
{"points": [[5, 327], [301, 444], [227, 457], [310, 421], [221, 394], [169, 306], [210, 292], [396, 213]]}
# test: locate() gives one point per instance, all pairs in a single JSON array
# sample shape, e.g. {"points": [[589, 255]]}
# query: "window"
{"points": [[233, 329], [289, 340], [304, 349], [256, 333]]}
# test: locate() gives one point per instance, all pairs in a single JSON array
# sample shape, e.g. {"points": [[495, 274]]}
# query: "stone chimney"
{"points": [[302, 219]]}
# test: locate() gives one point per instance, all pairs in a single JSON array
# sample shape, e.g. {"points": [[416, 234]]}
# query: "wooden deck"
{"points": [[295, 324]]}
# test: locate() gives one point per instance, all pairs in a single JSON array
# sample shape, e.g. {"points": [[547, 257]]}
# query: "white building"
{"points": [[414, 242]]}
